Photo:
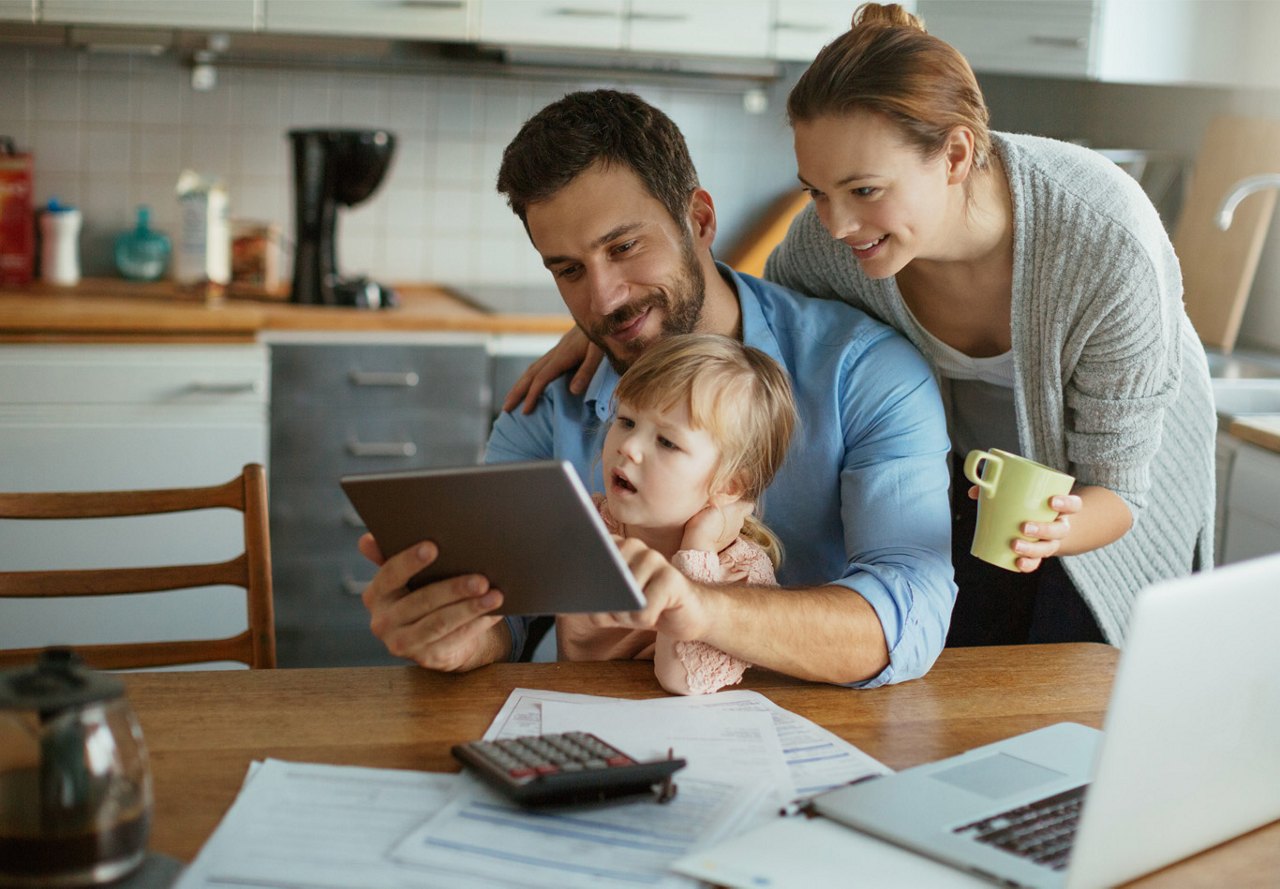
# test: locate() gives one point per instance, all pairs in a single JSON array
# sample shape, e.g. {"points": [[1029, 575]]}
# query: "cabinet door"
{"points": [[18, 10], [122, 417], [239, 15], [1253, 504], [802, 27], [705, 28], [423, 19], [1041, 37], [583, 24]]}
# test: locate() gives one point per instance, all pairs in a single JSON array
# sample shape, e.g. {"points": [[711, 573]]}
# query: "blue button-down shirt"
{"points": [[861, 500]]}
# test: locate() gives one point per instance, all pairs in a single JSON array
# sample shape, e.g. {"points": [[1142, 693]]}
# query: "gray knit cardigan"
{"points": [[1111, 382]]}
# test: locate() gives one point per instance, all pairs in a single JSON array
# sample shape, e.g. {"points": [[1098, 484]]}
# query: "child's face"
{"points": [[657, 468]]}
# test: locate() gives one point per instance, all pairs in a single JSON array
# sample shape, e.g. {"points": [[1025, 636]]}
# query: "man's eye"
{"points": [[865, 191], [624, 247], [812, 193], [567, 271]]}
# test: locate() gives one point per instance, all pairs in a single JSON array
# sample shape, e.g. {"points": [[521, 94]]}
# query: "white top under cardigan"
{"points": [[1111, 380]]}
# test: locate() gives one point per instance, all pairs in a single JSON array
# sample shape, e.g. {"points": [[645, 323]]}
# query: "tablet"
{"points": [[531, 528]]}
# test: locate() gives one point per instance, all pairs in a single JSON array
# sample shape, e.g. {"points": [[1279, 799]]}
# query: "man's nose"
{"points": [[607, 288]]}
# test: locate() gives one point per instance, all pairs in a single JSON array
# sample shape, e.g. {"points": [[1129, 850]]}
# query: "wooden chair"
{"points": [[247, 492]]}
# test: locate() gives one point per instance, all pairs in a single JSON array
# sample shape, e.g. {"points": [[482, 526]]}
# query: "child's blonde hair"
{"points": [[738, 394]]}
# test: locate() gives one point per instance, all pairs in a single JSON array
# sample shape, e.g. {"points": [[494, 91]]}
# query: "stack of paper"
{"points": [[302, 825]]}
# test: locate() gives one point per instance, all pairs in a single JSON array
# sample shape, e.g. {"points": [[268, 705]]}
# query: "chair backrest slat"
{"points": [[250, 570]]}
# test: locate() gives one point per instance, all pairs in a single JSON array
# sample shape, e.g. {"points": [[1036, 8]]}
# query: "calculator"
{"points": [[566, 768]]}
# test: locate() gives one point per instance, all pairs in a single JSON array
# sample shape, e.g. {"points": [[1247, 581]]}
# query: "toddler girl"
{"points": [[700, 427]]}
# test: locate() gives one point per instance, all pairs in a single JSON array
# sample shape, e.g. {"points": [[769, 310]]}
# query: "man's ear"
{"points": [[702, 217], [959, 153]]}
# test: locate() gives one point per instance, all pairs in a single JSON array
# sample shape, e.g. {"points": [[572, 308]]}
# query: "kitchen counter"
{"points": [[1263, 431], [105, 309]]}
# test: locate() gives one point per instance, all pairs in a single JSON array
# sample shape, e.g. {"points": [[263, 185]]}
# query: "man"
{"points": [[610, 199]]}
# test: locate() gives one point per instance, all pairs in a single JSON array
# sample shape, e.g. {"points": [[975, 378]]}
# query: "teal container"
{"points": [[142, 254]]}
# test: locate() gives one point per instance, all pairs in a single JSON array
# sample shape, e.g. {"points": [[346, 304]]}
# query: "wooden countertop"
{"points": [[1263, 430], [104, 309]]}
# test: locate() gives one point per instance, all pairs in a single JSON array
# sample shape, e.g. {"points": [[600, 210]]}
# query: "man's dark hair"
{"points": [[599, 126]]}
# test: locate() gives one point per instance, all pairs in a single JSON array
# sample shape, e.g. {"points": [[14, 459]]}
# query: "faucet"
{"points": [[1240, 191]]}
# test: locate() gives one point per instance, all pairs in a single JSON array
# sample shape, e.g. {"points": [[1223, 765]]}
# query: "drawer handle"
{"points": [[405, 379], [381, 448], [432, 4], [580, 13], [657, 17], [200, 387], [1060, 42]]}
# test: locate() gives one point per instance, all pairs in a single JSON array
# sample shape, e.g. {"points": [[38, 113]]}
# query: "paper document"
{"points": [[800, 853], [306, 826], [625, 843]]}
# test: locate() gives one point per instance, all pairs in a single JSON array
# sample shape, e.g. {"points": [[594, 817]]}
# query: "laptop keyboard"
{"points": [[1042, 831]]}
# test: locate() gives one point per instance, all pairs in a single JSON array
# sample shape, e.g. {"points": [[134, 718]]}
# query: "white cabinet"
{"points": [[665, 27], [704, 28], [1211, 42], [18, 10], [236, 15], [1253, 504], [802, 27], [91, 417], [581, 24], [403, 19]]}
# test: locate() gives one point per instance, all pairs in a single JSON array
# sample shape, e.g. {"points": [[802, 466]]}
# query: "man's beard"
{"points": [[681, 311]]}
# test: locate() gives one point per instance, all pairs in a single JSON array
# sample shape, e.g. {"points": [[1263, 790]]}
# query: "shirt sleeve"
{"points": [[895, 504]]}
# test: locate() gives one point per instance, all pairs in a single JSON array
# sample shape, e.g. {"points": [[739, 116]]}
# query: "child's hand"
{"points": [[673, 602], [714, 528]]}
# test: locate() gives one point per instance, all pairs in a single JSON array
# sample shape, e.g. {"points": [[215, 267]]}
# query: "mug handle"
{"points": [[971, 471]]}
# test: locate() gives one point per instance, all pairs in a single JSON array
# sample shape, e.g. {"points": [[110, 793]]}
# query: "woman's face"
{"points": [[874, 192]]}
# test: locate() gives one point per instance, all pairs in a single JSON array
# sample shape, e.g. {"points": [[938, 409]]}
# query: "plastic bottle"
{"points": [[142, 254], [60, 248]]}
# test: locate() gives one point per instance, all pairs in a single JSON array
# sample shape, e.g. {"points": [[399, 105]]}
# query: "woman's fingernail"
{"points": [[424, 552], [489, 600], [475, 585], [1033, 529]]}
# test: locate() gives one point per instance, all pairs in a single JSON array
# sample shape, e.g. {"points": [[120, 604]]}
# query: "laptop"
{"points": [[1188, 758]]}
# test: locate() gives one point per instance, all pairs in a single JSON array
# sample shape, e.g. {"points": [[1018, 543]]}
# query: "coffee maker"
{"points": [[333, 167]]}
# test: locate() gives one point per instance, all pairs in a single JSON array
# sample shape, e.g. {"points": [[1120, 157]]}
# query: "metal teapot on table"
{"points": [[75, 784]]}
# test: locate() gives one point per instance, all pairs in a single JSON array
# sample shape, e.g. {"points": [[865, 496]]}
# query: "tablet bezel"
{"points": [[529, 527]]}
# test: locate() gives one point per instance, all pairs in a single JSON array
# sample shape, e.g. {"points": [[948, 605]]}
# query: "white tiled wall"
{"points": [[110, 133]]}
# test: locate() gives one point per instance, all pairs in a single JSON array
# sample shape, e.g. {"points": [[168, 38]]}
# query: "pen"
{"points": [[803, 804]]}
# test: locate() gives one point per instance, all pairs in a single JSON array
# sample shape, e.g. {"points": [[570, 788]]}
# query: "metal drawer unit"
{"points": [[382, 404]]}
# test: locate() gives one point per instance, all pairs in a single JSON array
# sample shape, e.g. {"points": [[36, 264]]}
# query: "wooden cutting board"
{"points": [[1217, 266]]}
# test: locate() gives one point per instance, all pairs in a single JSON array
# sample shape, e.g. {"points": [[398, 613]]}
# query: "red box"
{"points": [[17, 220]]}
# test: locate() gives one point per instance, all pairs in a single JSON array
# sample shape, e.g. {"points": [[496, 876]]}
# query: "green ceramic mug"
{"points": [[1011, 490]]}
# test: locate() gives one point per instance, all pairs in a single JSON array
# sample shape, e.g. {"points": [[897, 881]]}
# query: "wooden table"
{"points": [[203, 729]]}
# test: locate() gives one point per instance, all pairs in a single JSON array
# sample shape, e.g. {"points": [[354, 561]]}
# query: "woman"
{"points": [[1038, 280]]}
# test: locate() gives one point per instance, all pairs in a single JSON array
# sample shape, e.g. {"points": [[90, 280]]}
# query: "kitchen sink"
{"points": [[1234, 398]]}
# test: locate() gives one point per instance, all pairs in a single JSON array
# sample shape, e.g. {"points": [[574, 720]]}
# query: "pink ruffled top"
{"points": [[681, 667]]}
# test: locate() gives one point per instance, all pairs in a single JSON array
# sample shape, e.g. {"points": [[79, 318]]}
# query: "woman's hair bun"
{"points": [[885, 15]]}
